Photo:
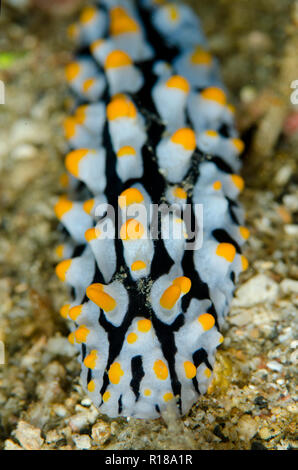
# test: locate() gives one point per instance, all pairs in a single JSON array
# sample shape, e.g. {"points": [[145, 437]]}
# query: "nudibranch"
{"points": [[151, 126]]}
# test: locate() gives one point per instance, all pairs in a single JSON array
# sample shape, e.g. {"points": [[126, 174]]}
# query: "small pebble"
{"points": [[101, 432], [82, 441], [289, 286], [258, 289], [28, 436], [246, 427]]}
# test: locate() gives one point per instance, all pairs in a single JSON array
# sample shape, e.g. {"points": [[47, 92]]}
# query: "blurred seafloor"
{"points": [[251, 403]]}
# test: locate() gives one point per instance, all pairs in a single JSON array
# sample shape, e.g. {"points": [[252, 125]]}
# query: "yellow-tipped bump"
{"points": [[121, 107], [177, 81], [170, 297], [244, 263], [207, 321], [90, 360], [138, 265], [63, 205], [200, 57], [72, 160], [130, 196], [190, 370], [105, 301], [238, 182], [117, 59], [179, 193], [126, 150], [62, 268], [227, 251], [132, 229], [184, 283], [72, 71], [214, 94], [244, 232], [87, 15], [92, 234], [81, 334], [88, 206], [185, 137], [75, 312], [64, 310]]}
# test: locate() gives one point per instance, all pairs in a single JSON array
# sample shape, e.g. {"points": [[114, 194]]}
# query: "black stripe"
{"points": [[137, 373]]}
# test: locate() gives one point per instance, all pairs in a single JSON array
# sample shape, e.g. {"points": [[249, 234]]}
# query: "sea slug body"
{"points": [[151, 126]]}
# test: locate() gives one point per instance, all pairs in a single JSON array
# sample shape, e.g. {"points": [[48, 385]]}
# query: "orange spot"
{"points": [[96, 44], [227, 251], [184, 283], [73, 31], [117, 59], [126, 150], [72, 71], [239, 144], [217, 185], [132, 229], [160, 369], [115, 373], [87, 14], [62, 207], [90, 360], [130, 196], [81, 334], [64, 310], [92, 234], [88, 206], [185, 137], [173, 13], [244, 232], [64, 180], [244, 263], [200, 57], [211, 133], [207, 321], [71, 338], [168, 396], [88, 84], [131, 338], [62, 268], [105, 301], [75, 312], [190, 369], [121, 107], [207, 373], [59, 251], [73, 159], [106, 396], [144, 325], [147, 392], [70, 127], [170, 297], [177, 81], [238, 182], [138, 265], [179, 193], [122, 23], [91, 386], [214, 94]]}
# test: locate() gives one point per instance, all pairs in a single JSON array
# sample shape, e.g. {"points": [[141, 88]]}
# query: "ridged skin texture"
{"points": [[151, 125]]}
